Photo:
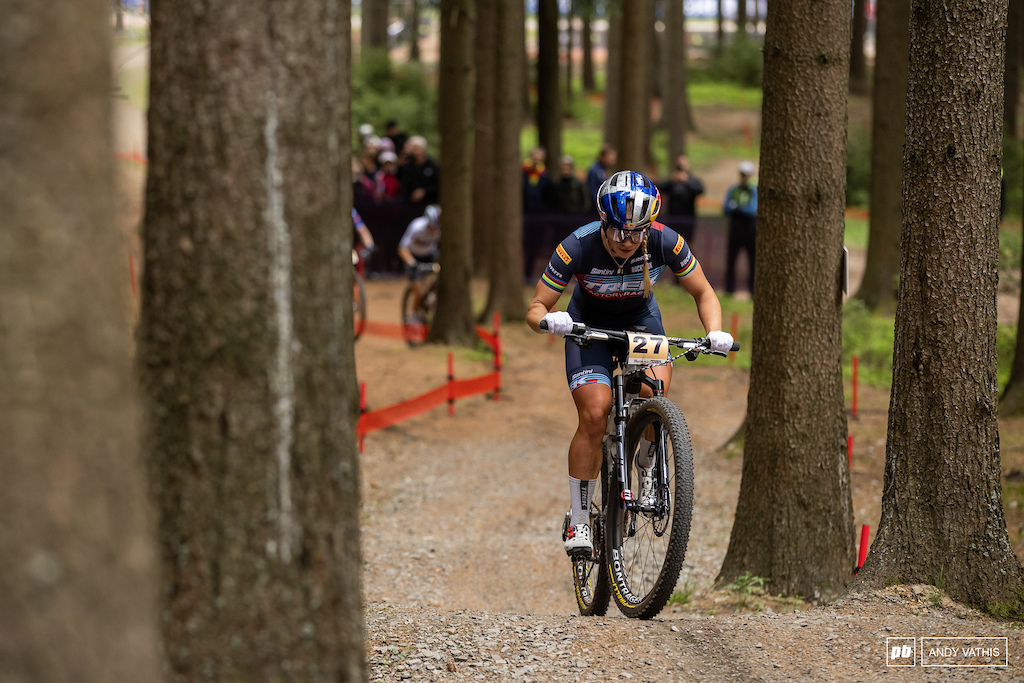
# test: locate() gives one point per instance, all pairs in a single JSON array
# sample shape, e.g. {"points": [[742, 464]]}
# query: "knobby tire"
{"points": [[644, 567], [590, 577]]}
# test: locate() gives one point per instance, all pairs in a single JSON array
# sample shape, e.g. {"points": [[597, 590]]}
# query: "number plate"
{"points": [[646, 348]]}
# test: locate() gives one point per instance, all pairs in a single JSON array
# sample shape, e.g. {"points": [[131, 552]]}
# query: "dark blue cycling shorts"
{"points": [[595, 364]]}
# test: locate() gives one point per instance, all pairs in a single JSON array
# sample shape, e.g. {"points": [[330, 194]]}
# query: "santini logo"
{"points": [[900, 652]]}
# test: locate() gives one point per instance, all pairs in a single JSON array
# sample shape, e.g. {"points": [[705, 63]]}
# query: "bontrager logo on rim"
{"points": [[901, 652]]}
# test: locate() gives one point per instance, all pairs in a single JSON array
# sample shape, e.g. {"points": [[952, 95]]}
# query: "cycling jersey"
{"points": [[421, 240], [610, 293]]}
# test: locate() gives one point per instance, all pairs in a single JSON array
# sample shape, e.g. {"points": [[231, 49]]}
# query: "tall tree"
{"points": [[246, 340], [719, 28], [1012, 68], [880, 282], [414, 30], [77, 533], [795, 499], [942, 514], [570, 39], [453, 323], [484, 123], [587, 42], [741, 19], [858, 62], [549, 102], [505, 294], [676, 108], [374, 30], [633, 86], [613, 78]]}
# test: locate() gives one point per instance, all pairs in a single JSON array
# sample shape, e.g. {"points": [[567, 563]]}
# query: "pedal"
{"points": [[565, 526]]}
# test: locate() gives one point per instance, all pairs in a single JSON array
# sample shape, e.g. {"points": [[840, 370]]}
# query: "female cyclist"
{"points": [[616, 262]]}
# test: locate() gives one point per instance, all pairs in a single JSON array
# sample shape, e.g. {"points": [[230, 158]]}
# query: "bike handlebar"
{"points": [[581, 332]]}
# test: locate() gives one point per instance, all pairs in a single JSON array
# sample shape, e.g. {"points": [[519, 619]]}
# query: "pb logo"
{"points": [[900, 652]]}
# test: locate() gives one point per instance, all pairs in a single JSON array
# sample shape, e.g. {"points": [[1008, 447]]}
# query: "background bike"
{"points": [[417, 317], [359, 257], [640, 516]]}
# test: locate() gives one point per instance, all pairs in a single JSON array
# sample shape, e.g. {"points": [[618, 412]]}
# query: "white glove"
{"points": [[559, 323], [720, 341]]}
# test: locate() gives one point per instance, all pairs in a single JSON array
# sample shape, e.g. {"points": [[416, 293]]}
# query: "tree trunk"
{"points": [[741, 19], [549, 104], [632, 104], [720, 29], [880, 282], [570, 17], [374, 31], [942, 513], [506, 272], [613, 79], [587, 40], [453, 323], [484, 114], [674, 112], [858, 64], [1011, 71], [246, 341], [77, 532], [795, 501], [414, 43]]}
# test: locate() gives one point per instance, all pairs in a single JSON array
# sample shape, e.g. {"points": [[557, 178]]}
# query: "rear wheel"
{"points": [[647, 546], [358, 306], [589, 574]]}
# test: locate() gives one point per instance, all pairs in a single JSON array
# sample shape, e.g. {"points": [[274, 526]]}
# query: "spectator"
{"points": [[741, 208], [535, 181], [393, 132], [566, 194], [419, 175], [682, 190], [389, 190], [367, 177], [599, 170]]}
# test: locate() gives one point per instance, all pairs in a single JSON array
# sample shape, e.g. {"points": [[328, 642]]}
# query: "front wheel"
{"points": [[647, 542]]}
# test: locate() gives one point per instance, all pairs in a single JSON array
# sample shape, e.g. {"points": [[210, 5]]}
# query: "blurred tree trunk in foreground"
{"points": [[880, 283], [246, 341], [505, 293], [942, 513], [794, 517], [453, 322], [78, 600]]}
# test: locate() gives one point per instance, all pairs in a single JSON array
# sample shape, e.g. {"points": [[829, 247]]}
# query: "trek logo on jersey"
{"points": [[679, 245], [615, 289], [563, 254]]}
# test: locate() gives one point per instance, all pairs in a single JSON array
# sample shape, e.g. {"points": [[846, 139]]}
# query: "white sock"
{"points": [[581, 491]]}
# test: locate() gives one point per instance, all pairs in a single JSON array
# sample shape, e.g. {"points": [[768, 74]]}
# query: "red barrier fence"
{"points": [[371, 421]]}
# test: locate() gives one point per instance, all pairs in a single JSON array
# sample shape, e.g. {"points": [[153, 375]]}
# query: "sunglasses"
{"points": [[622, 234]]}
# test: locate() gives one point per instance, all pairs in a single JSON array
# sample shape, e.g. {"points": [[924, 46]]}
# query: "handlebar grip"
{"points": [[735, 346], [543, 325]]}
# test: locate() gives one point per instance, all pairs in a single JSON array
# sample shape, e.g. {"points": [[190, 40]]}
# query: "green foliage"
{"points": [[406, 93], [856, 234], [1010, 245], [858, 166], [746, 587], [1011, 609], [704, 93], [740, 61], [682, 596], [869, 336]]}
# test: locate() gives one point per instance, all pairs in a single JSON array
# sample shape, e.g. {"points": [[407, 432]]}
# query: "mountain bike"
{"points": [[358, 291], [418, 316], [640, 533]]}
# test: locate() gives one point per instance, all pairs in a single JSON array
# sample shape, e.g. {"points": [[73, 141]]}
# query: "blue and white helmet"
{"points": [[628, 200]]}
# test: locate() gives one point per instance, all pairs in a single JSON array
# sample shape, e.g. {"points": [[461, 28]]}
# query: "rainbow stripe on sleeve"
{"points": [[687, 267], [553, 282]]}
